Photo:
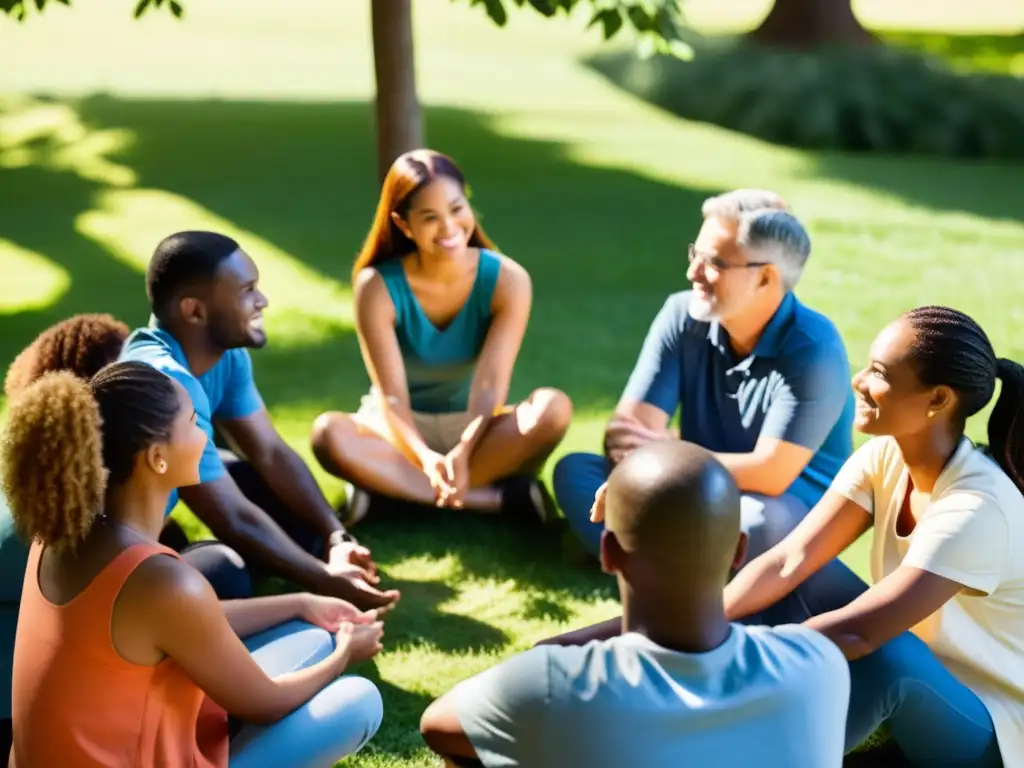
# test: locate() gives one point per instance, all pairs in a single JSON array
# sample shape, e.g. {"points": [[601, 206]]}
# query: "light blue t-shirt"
{"points": [[226, 391], [767, 697], [794, 386]]}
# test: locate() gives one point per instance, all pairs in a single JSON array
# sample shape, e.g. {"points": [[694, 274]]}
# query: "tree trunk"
{"points": [[806, 24], [399, 122]]}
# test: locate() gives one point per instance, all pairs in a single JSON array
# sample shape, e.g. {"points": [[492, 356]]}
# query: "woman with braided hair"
{"points": [[936, 644], [124, 656]]}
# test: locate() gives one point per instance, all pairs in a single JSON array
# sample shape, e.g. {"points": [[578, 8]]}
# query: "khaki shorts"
{"points": [[440, 431]]}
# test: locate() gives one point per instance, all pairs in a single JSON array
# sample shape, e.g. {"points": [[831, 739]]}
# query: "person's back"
{"points": [[680, 685], [774, 698], [79, 703]]}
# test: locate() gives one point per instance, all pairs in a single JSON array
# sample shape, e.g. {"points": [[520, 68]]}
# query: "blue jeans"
{"points": [[337, 721], [934, 718], [765, 519]]}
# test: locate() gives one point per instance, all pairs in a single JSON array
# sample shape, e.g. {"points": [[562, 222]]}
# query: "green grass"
{"points": [[260, 126]]}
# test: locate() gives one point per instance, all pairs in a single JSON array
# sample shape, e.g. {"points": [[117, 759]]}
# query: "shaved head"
{"points": [[672, 506]]}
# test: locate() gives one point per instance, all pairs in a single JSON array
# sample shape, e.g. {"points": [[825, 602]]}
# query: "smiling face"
{"points": [[236, 305], [440, 220], [184, 448], [724, 283], [891, 400]]}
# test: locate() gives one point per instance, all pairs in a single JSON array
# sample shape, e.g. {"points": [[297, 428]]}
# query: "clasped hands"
{"points": [[448, 475]]}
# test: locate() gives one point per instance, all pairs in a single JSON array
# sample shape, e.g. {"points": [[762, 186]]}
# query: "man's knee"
{"points": [[575, 480], [222, 567], [767, 520]]}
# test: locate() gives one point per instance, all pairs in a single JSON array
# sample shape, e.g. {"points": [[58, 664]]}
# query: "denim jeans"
{"points": [[337, 721], [765, 519], [934, 718]]}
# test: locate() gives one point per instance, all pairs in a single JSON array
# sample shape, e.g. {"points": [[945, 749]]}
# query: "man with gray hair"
{"points": [[759, 378]]}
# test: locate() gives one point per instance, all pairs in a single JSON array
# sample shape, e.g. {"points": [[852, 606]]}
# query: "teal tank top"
{"points": [[439, 364]]}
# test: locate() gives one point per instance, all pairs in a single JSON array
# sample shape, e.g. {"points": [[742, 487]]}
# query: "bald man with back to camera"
{"points": [[680, 685]]}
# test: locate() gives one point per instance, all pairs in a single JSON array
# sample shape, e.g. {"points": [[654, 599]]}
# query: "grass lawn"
{"points": [[260, 126]]}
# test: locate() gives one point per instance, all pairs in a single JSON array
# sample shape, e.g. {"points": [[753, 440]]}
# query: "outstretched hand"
{"points": [[331, 612], [352, 576]]}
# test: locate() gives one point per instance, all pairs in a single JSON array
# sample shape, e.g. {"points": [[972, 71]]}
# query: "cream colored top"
{"points": [[970, 529]]}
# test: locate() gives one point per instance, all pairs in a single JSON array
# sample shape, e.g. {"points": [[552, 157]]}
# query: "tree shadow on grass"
{"points": [[489, 547], [604, 246], [416, 620]]}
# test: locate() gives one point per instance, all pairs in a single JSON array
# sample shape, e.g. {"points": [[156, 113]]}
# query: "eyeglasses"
{"points": [[717, 263]]}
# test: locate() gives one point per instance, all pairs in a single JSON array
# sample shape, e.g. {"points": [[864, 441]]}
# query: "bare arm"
{"points": [[513, 296], [904, 598], [829, 528], [770, 468], [247, 617], [375, 326], [243, 526], [284, 472], [177, 611]]}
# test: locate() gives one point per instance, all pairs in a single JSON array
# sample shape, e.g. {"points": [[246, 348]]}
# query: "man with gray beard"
{"points": [[759, 378]]}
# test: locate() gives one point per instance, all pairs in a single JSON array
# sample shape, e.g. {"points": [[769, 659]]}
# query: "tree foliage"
{"points": [[18, 9], [658, 24]]}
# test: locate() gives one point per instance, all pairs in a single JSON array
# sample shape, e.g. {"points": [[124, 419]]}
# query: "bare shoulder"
{"points": [[368, 283], [371, 296], [167, 586], [514, 282]]}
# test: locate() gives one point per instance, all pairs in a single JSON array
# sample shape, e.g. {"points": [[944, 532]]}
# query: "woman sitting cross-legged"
{"points": [[123, 654], [936, 644], [440, 317]]}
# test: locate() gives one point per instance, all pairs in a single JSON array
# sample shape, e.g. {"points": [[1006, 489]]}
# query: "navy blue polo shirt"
{"points": [[794, 386]]}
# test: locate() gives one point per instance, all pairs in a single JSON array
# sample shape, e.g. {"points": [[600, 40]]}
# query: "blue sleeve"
{"points": [[656, 378], [210, 465], [811, 397], [502, 710], [240, 398]]}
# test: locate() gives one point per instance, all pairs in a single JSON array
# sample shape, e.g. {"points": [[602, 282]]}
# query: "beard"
{"points": [[702, 310]]}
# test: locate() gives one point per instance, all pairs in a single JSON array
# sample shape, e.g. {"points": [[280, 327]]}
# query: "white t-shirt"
{"points": [[771, 697], [970, 529]]}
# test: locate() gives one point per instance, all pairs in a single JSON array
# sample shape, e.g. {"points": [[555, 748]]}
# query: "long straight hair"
{"points": [[407, 176]]}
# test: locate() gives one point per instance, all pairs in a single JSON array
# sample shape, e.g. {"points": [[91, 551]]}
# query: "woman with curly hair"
{"points": [[81, 344], [124, 655]]}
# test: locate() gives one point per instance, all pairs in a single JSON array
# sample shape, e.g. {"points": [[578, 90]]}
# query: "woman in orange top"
{"points": [[124, 656]]}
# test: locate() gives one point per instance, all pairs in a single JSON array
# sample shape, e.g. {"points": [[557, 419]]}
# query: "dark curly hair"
{"points": [[951, 349], [67, 440], [82, 344]]}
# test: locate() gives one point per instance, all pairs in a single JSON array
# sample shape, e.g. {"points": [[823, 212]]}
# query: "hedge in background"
{"points": [[882, 98]]}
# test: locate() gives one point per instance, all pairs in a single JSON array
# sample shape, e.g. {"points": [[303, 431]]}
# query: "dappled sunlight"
{"points": [[30, 280], [306, 306], [52, 135]]}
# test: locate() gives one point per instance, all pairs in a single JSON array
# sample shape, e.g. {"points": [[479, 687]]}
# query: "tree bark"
{"points": [[807, 24], [399, 121]]}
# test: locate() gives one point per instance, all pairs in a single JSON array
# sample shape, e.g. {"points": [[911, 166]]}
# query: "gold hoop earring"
{"points": [[930, 414]]}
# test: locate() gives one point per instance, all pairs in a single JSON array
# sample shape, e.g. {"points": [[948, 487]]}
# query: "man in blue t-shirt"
{"points": [[207, 312], [758, 378], [681, 686]]}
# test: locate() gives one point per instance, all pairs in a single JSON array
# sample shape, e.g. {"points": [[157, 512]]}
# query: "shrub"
{"points": [[875, 98]]}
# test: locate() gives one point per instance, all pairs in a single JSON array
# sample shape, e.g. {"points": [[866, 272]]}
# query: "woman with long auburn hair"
{"points": [[440, 316]]}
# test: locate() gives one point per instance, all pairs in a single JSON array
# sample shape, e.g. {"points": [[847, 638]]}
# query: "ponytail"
{"points": [[52, 463], [1005, 430]]}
